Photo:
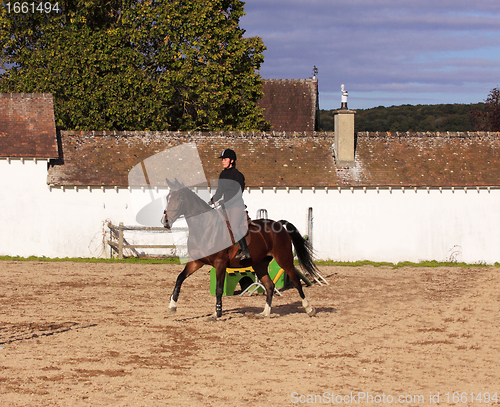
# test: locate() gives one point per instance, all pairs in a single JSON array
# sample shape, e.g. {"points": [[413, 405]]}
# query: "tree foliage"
{"points": [[487, 116], [137, 64]]}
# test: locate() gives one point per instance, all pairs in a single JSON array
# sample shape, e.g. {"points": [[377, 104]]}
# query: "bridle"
{"points": [[181, 205], [165, 215]]}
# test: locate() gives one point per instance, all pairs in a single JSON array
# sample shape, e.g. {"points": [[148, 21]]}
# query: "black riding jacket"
{"points": [[229, 190]]}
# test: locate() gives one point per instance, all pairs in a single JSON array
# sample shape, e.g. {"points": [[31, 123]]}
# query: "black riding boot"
{"points": [[243, 254]]}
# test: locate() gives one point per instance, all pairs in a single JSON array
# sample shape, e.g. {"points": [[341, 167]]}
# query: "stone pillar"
{"points": [[343, 125]]}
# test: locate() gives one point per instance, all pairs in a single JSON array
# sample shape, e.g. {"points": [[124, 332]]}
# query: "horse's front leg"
{"points": [[189, 269], [220, 273]]}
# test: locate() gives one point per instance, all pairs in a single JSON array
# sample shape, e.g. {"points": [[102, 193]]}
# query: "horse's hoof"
{"points": [[211, 318], [172, 310], [311, 312]]}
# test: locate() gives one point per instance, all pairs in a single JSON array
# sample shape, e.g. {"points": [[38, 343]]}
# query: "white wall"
{"points": [[60, 222], [384, 225], [392, 225]]}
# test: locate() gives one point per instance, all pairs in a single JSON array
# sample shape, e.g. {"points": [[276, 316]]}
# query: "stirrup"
{"points": [[243, 256]]}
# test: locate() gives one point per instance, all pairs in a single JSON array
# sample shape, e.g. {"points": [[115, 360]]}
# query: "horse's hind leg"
{"points": [[189, 269], [311, 311], [262, 274], [287, 265]]}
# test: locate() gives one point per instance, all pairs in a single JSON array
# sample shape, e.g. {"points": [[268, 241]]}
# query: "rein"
{"points": [[183, 203], [224, 218], [220, 211]]}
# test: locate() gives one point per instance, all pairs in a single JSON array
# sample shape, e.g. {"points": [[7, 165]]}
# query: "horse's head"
{"points": [[181, 201], [175, 204]]}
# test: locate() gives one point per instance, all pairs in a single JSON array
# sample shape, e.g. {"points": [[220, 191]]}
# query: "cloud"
{"points": [[371, 46]]}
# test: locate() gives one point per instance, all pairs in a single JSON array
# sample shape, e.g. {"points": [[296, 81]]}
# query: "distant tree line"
{"points": [[444, 117]]}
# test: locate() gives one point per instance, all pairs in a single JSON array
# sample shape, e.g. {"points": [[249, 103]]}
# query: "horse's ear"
{"points": [[169, 184], [178, 184]]}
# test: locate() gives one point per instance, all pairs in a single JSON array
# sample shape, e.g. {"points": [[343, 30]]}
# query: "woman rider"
{"points": [[230, 188]]}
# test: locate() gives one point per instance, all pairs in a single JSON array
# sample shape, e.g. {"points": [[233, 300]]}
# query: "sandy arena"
{"points": [[91, 334]]}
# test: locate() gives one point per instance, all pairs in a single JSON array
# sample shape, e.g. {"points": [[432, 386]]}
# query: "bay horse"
{"points": [[265, 239]]}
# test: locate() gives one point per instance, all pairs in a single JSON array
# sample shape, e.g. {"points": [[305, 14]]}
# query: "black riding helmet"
{"points": [[228, 153]]}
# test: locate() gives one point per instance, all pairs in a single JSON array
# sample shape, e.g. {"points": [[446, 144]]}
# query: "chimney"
{"points": [[343, 126]]}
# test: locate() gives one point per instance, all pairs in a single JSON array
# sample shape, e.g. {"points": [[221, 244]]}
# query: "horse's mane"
{"points": [[192, 197], [208, 233]]}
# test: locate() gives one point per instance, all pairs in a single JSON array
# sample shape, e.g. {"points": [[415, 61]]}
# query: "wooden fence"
{"points": [[120, 244]]}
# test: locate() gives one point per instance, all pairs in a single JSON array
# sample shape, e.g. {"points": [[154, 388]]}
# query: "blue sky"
{"points": [[386, 52]]}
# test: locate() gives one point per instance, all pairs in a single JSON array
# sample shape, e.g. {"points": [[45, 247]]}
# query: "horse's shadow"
{"points": [[253, 312], [284, 309]]}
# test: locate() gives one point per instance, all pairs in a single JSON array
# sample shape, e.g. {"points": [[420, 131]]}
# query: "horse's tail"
{"points": [[303, 248]]}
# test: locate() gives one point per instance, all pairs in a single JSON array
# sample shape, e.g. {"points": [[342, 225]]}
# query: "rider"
{"points": [[229, 191]]}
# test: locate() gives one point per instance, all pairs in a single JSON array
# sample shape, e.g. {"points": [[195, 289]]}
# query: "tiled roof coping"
{"points": [[310, 80], [25, 96], [423, 134], [276, 134], [190, 134]]}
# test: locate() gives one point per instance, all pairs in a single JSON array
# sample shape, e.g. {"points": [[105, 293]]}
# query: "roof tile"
{"points": [[27, 126], [290, 104], [299, 159]]}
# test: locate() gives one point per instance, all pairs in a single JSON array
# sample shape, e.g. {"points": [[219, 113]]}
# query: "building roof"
{"points": [[266, 159], [290, 159], [27, 126], [426, 160], [290, 104]]}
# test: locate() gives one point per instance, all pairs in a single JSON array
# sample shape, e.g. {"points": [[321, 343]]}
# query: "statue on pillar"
{"points": [[343, 105]]}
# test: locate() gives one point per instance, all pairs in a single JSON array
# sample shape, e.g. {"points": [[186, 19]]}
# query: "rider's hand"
{"points": [[211, 201]]}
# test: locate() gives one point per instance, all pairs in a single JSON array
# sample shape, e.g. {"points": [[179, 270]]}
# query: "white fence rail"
{"points": [[119, 243]]}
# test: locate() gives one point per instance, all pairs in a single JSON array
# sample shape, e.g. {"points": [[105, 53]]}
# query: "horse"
{"points": [[265, 239]]}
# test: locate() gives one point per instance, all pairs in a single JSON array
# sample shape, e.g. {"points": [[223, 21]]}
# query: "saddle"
{"points": [[233, 250]]}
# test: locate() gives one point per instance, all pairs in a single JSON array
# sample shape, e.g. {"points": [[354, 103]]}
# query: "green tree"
{"points": [[487, 115], [137, 64]]}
